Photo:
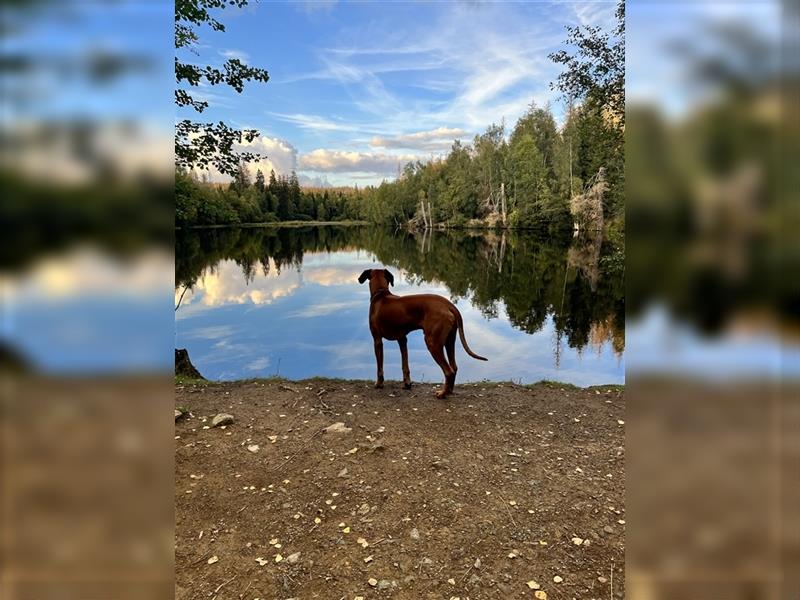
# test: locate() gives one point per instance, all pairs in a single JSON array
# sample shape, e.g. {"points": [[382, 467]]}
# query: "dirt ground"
{"points": [[488, 494]]}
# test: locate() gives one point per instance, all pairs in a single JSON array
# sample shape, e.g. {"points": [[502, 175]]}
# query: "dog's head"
{"points": [[378, 278]]}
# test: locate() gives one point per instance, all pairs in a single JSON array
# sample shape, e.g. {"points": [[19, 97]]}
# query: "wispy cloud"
{"points": [[317, 123], [242, 56]]}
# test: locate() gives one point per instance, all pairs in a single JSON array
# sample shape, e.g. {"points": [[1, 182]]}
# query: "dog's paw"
{"points": [[407, 386], [441, 394], [378, 385]]}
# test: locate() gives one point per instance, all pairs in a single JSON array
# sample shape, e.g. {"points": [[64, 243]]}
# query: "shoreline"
{"points": [[404, 227], [183, 380]]}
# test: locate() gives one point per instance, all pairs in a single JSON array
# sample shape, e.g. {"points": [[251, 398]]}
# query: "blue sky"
{"points": [[357, 88]]}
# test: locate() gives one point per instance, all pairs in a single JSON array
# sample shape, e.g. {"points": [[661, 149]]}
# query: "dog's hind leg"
{"points": [[450, 346], [403, 343], [437, 352]]}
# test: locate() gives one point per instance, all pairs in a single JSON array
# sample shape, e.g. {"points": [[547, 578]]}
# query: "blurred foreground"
{"points": [[713, 379], [86, 282]]}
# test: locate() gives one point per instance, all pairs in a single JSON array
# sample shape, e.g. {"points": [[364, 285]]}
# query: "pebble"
{"points": [[372, 582], [221, 419], [337, 428], [384, 584], [533, 585], [414, 532], [293, 558], [343, 472], [253, 448], [608, 529], [558, 579], [602, 579], [540, 595]]}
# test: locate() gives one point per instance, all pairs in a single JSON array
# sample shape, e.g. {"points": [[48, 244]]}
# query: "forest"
{"points": [[529, 177]]}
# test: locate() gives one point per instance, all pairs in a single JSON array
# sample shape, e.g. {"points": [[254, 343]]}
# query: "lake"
{"points": [[259, 302]]}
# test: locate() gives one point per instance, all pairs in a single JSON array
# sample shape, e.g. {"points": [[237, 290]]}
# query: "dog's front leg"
{"points": [[403, 343], [379, 360]]}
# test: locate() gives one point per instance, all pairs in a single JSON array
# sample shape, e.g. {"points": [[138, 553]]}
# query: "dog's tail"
{"points": [[463, 339]]}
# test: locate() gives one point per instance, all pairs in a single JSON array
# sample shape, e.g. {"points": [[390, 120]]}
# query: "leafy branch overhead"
{"points": [[203, 145], [596, 70]]}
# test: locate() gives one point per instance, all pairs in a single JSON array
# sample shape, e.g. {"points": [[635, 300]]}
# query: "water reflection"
{"points": [[256, 302]]}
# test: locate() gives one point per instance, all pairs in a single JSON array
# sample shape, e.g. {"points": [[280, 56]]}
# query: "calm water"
{"points": [[261, 302]]}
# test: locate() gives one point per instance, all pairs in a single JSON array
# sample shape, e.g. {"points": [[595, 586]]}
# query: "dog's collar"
{"points": [[379, 292]]}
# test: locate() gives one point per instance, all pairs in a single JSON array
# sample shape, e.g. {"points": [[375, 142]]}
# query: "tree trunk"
{"points": [[503, 202]]}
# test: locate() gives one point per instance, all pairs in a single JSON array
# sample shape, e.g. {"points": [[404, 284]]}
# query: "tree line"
{"points": [[523, 179], [278, 199]]}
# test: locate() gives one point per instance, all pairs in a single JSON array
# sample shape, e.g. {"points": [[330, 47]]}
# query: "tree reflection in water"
{"points": [[578, 281]]}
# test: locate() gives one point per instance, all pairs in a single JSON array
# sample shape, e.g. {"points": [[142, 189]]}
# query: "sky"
{"points": [[357, 89]]}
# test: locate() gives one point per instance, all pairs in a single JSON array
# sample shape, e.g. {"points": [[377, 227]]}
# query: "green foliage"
{"points": [[200, 145]]}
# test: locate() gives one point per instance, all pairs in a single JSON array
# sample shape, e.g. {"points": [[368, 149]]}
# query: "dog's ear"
{"points": [[365, 275], [389, 276]]}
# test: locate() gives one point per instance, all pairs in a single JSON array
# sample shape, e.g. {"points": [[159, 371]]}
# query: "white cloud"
{"points": [[320, 181], [440, 138], [278, 155], [342, 161]]}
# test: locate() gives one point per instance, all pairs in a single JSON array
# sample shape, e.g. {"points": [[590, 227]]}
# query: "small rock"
{"points": [[384, 584], [451, 581], [427, 562], [558, 579], [540, 595], [253, 448], [533, 585], [372, 582], [212, 560], [474, 579], [363, 509], [477, 563], [337, 428], [414, 534], [221, 419], [608, 529], [178, 414], [577, 541], [343, 473], [293, 558], [602, 579]]}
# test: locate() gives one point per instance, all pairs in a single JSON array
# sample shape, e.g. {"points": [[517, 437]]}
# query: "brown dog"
{"points": [[393, 317]]}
